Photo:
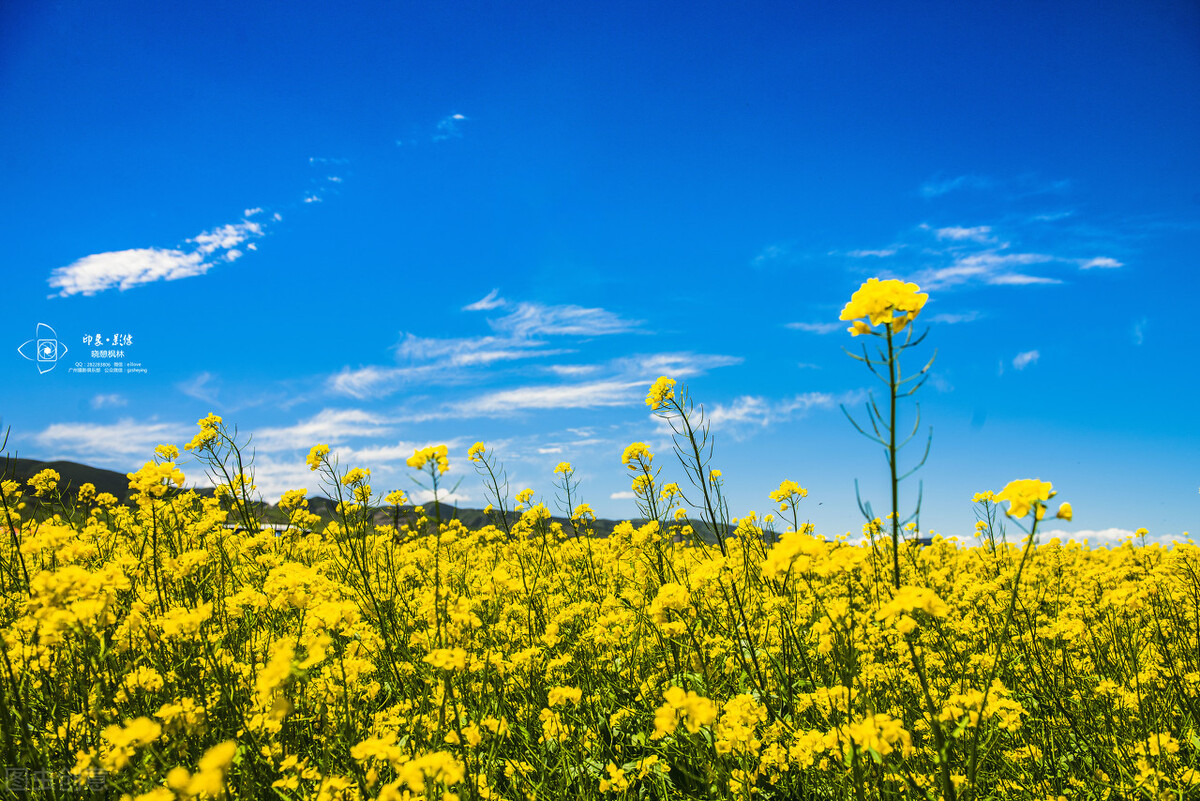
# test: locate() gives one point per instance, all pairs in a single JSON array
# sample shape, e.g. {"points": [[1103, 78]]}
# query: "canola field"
{"points": [[152, 652]]}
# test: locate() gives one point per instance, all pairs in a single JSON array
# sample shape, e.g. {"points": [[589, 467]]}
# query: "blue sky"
{"points": [[386, 225]]}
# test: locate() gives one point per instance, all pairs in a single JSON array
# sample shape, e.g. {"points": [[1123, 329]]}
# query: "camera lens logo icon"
{"points": [[45, 349]]}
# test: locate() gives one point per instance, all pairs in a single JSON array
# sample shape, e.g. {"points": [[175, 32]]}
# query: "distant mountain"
{"points": [[73, 475]]}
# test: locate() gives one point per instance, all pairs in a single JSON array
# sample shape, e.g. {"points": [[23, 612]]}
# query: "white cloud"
{"points": [[938, 187], [365, 382], [488, 302], [1103, 262], [951, 319], [873, 254], [518, 335], [226, 237], [199, 387], [980, 233], [312, 198], [1139, 331], [551, 396], [528, 320], [1023, 360], [449, 127], [549, 450], [329, 426], [1021, 279], [988, 267], [101, 401], [684, 364], [124, 269], [817, 328], [625, 495], [125, 438], [752, 410], [770, 253], [572, 370], [1106, 536]]}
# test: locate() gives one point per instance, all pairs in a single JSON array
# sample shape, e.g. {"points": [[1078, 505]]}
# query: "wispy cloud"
{"points": [[108, 443], [988, 267], [125, 269], [491, 300], [770, 254], [102, 401], [1023, 360], [201, 387], [623, 495], [622, 382], [1104, 262], [817, 328], [882, 253], [954, 233], [449, 127], [1139, 331], [951, 318], [329, 426], [942, 186], [518, 334], [755, 411]]}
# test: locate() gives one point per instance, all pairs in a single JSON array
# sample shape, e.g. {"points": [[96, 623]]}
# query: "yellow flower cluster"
{"points": [[661, 391], [209, 432], [1025, 494], [889, 303], [154, 479], [635, 455], [683, 706], [44, 482], [438, 455]]}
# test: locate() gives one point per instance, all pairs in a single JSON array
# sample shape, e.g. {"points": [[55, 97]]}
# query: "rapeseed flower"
{"points": [[660, 392], [890, 303], [1025, 494]]}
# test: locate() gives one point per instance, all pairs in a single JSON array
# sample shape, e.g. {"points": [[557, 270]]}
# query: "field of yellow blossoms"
{"points": [[169, 649]]}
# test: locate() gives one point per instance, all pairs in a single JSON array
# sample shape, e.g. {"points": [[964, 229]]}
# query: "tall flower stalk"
{"points": [[885, 309]]}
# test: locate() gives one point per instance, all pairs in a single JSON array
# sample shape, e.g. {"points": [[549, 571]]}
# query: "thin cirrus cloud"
{"points": [[520, 333], [752, 411], [817, 328], [624, 384]]}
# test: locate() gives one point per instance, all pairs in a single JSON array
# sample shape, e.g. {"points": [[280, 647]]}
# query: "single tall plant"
{"points": [[885, 309]]}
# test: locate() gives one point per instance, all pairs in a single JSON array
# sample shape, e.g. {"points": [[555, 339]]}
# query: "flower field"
{"points": [[152, 651]]}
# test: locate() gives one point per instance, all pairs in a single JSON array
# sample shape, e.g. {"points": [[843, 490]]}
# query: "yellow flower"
{"points": [[1064, 511], [636, 452], [892, 303], [168, 453], [45, 481], [660, 392], [564, 468], [1025, 493], [209, 431], [435, 454], [396, 498], [293, 499], [562, 695], [356, 475], [316, 456], [475, 452]]}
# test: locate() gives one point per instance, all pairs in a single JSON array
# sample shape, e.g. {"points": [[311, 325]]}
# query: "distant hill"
{"points": [[73, 475]]}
